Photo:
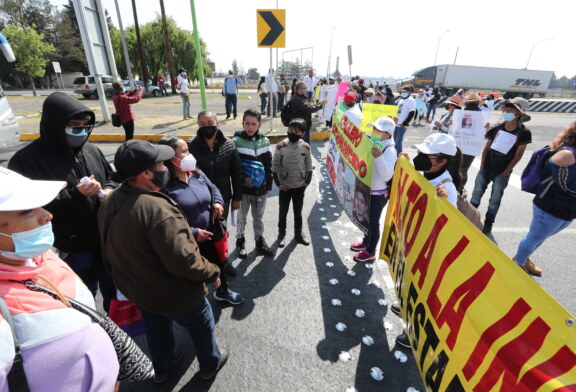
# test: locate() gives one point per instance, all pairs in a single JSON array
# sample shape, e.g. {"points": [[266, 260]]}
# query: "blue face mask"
{"points": [[508, 116], [31, 243], [404, 95], [76, 136]]}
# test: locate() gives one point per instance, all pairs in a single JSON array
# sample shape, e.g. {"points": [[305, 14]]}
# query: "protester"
{"points": [[385, 156], [421, 108], [62, 350], [63, 153], [390, 99], [311, 82], [368, 95], [292, 175], [218, 158], [256, 158], [488, 104], [184, 92], [202, 205], [554, 206], [379, 96], [293, 88], [406, 110], [262, 93], [445, 121], [433, 103], [123, 105], [230, 91], [162, 85], [272, 88], [506, 143], [282, 91], [302, 108], [352, 109], [152, 254]]}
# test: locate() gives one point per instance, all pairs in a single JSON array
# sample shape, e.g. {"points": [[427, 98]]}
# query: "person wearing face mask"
{"points": [[182, 83], [406, 111], [123, 105], [61, 349], [203, 206], [420, 107], [217, 156], [63, 153], [155, 259], [445, 121], [506, 143]]}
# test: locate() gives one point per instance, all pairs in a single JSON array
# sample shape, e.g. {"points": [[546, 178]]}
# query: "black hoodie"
{"points": [[50, 158]]}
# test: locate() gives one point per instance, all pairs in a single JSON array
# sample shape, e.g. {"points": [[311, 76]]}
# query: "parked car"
{"points": [[152, 90], [86, 85], [9, 127]]}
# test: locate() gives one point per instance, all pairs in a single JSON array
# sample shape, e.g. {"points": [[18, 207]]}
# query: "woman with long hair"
{"points": [[263, 93], [554, 206]]}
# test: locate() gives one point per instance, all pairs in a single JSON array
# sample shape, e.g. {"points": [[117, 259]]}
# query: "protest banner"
{"points": [[342, 90], [316, 93], [468, 130], [349, 162], [373, 111], [475, 320], [329, 92]]}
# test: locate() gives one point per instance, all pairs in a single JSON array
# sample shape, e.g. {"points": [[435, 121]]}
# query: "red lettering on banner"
{"points": [[463, 297], [561, 363], [418, 206], [350, 155], [352, 131], [423, 261], [512, 357], [500, 328], [433, 301]]}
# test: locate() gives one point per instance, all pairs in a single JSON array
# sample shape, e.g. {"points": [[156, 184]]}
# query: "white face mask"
{"points": [[188, 163]]}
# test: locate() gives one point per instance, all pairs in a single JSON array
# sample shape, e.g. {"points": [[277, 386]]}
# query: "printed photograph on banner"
{"points": [[361, 204], [468, 130]]}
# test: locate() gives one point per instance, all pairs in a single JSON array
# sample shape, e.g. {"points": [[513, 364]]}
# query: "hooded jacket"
{"points": [[255, 148], [50, 158]]}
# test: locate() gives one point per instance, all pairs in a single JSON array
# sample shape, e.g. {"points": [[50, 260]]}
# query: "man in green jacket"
{"points": [[155, 261]]}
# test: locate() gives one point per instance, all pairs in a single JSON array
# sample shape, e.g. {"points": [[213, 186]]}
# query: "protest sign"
{"points": [[475, 320], [373, 111], [316, 93], [342, 90], [329, 91], [349, 162], [468, 130]]}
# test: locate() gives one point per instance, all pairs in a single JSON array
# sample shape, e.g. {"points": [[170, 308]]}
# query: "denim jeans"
{"points": [[543, 225], [431, 109], [398, 137], [309, 95], [262, 103], [281, 101], [499, 183], [231, 103], [89, 267], [198, 321], [377, 204], [185, 104]]}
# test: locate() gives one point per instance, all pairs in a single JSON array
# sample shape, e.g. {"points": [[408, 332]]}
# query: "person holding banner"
{"points": [[385, 157], [406, 110], [554, 206], [302, 108]]}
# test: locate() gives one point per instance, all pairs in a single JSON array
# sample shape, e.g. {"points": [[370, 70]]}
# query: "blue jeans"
{"points": [[89, 267], [199, 321], [309, 95], [231, 103], [543, 225], [185, 104], [398, 137], [377, 204], [431, 109], [281, 101], [499, 183], [262, 103]]}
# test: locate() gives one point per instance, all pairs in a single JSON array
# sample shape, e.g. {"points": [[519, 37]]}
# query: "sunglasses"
{"points": [[82, 129]]}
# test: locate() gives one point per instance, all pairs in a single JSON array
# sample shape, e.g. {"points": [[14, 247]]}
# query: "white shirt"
{"points": [[271, 85], [183, 84], [384, 165], [310, 83], [406, 106], [449, 185], [355, 115]]}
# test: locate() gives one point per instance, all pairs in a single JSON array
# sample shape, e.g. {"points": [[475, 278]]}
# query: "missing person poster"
{"points": [[468, 130]]}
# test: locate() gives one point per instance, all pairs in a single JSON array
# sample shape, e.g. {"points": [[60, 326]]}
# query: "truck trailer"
{"points": [[510, 82]]}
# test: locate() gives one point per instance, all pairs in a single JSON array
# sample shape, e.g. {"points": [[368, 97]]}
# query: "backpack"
{"points": [[286, 114], [254, 172], [532, 174]]}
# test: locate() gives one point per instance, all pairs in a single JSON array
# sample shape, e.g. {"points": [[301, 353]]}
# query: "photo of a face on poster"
{"points": [[467, 122], [361, 204], [468, 130]]}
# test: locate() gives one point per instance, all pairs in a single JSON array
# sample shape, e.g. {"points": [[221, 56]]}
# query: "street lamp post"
{"points": [[531, 50], [330, 55], [438, 46]]}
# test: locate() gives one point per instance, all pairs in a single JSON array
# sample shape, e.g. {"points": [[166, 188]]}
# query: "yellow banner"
{"points": [[475, 320], [316, 93], [373, 111]]}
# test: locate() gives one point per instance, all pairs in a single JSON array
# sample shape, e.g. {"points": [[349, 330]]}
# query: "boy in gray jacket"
{"points": [[292, 171]]}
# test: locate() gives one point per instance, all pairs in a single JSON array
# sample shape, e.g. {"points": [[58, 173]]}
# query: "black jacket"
{"points": [[301, 108], [50, 158], [221, 165]]}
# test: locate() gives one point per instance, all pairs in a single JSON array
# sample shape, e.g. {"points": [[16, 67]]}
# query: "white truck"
{"points": [[9, 127], [509, 81]]}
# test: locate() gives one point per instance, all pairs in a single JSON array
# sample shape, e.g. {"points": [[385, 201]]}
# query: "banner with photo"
{"points": [[468, 130], [349, 163], [475, 320]]}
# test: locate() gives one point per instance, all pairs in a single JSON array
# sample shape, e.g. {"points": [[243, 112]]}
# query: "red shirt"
{"points": [[161, 80], [122, 104]]}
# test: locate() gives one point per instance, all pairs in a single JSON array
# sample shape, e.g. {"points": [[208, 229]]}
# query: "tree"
{"points": [[235, 67], [30, 50], [70, 55], [253, 74]]}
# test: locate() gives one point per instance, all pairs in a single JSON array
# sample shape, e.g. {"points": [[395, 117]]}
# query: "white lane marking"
{"points": [[523, 230]]}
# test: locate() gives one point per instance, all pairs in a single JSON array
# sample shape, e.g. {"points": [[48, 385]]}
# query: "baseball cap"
{"points": [[438, 143], [135, 156], [20, 193], [350, 97], [360, 80], [407, 88], [384, 124], [519, 103]]}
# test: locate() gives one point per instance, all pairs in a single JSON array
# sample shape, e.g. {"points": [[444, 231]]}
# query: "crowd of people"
{"points": [[155, 228]]}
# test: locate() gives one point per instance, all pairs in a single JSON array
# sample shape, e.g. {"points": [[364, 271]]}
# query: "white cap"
{"points": [[20, 193], [438, 143], [384, 124]]}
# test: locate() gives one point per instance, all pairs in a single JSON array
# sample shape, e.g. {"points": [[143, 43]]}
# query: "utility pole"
{"points": [[199, 59], [125, 47], [168, 47], [140, 50]]}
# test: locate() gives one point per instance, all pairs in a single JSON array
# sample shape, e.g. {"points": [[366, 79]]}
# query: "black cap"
{"points": [[135, 156], [180, 70]]}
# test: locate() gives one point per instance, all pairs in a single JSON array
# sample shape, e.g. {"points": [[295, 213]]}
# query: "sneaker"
{"points": [[240, 249], [223, 359], [159, 378], [281, 240], [396, 310], [364, 257], [487, 228], [358, 247], [302, 239], [262, 247], [402, 340], [229, 296]]}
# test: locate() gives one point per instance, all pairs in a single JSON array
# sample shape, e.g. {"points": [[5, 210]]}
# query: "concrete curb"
{"points": [[119, 138]]}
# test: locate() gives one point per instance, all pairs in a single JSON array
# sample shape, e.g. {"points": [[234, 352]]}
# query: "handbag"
{"points": [[116, 120], [467, 209], [127, 316], [134, 364]]}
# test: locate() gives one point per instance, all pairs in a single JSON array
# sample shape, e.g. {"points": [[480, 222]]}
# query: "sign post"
{"points": [[350, 60], [58, 70]]}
